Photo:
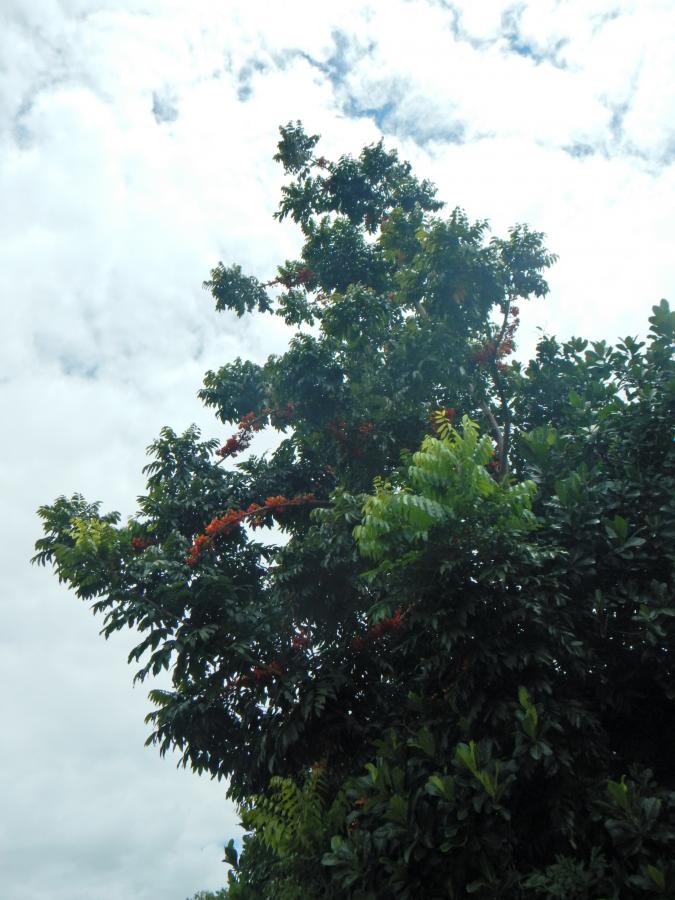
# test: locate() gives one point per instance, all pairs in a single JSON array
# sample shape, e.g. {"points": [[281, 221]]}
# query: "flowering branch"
{"points": [[231, 519]]}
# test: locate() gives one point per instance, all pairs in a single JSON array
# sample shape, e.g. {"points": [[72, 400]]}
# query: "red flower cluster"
{"points": [[262, 673], [387, 624], [280, 417], [250, 422], [300, 640], [338, 430], [392, 623], [497, 349], [231, 519], [301, 276], [486, 352], [232, 446], [243, 436], [506, 345], [226, 523], [139, 543], [279, 502], [200, 543], [257, 674]]}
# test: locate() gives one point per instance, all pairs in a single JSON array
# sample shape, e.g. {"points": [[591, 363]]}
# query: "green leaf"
{"points": [[618, 792], [657, 876], [442, 786], [424, 740], [397, 809]]}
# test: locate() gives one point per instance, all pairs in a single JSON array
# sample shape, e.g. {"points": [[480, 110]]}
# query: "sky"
{"points": [[136, 144]]}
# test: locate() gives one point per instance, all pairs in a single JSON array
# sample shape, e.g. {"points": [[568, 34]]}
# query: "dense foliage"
{"points": [[455, 676]]}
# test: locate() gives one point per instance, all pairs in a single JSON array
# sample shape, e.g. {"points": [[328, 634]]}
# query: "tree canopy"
{"points": [[455, 674]]}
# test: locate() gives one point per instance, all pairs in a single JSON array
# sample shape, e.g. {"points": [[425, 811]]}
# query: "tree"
{"points": [[462, 680]]}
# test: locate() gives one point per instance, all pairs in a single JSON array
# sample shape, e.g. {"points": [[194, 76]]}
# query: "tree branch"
{"points": [[495, 427]]}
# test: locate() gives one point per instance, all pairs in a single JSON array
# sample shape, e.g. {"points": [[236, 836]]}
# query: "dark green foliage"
{"points": [[240, 293], [295, 148], [456, 682], [362, 190], [211, 895]]}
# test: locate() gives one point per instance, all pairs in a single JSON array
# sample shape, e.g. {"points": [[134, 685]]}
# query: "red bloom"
{"points": [[396, 620], [279, 417], [200, 543], [224, 524], [387, 624], [247, 421], [231, 519], [276, 502], [234, 444]]}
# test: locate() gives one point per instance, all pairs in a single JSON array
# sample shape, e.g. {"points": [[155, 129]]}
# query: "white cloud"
{"points": [[558, 114]]}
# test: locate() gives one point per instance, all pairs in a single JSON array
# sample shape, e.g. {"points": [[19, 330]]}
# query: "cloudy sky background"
{"points": [[135, 153]]}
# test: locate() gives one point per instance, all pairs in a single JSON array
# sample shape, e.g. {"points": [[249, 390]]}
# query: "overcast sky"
{"points": [[136, 143]]}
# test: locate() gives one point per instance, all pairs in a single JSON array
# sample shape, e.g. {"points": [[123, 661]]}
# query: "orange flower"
{"points": [[200, 543], [276, 501]]}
